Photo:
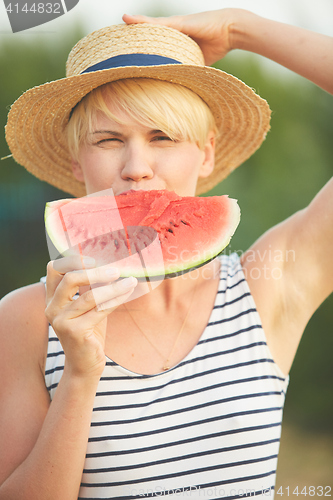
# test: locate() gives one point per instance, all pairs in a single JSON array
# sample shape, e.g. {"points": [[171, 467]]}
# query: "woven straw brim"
{"points": [[36, 136]]}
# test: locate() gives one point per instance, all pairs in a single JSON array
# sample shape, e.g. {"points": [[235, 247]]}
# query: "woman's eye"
{"points": [[163, 138], [109, 140]]}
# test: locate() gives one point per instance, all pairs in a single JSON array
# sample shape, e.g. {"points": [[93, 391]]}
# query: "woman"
{"points": [[209, 425]]}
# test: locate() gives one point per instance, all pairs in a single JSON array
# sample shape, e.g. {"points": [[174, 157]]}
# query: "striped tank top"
{"points": [[209, 428]]}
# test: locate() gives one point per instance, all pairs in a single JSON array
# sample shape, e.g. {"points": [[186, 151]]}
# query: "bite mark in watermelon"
{"points": [[145, 233]]}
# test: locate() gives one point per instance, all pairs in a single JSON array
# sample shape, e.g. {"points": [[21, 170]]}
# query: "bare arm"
{"points": [[294, 261], [43, 446], [217, 32], [305, 52]]}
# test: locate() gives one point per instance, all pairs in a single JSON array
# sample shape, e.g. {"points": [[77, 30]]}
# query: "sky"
{"points": [[93, 14]]}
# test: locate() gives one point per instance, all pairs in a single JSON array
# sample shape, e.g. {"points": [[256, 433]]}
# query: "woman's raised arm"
{"points": [[217, 32]]}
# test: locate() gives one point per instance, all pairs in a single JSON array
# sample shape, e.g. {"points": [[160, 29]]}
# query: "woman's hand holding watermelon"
{"points": [[80, 323]]}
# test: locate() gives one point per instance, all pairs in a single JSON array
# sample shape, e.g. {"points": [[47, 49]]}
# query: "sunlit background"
{"points": [[282, 177]]}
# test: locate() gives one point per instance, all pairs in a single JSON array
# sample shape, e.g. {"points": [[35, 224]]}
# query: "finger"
{"points": [[72, 281], [58, 268], [106, 307], [171, 21], [129, 19], [72, 263], [102, 297], [100, 312]]}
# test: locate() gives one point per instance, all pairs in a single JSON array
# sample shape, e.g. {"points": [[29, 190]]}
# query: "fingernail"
{"points": [[128, 282], [88, 261], [111, 272]]}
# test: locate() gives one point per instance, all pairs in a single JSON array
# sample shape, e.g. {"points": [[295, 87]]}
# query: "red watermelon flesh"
{"points": [[144, 233]]}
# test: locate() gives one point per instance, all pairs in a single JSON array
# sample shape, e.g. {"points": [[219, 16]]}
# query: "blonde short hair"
{"points": [[169, 107]]}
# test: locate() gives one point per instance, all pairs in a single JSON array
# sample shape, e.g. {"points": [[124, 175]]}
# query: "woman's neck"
{"points": [[167, 294]]}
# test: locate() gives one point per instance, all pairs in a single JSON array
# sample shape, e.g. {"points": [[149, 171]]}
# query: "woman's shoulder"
{"points": [[26, 300], [23, 325]]}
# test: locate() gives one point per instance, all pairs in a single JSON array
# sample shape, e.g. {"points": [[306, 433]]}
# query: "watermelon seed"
{"points": [[116, 242], [170, 230], [184, 222]]}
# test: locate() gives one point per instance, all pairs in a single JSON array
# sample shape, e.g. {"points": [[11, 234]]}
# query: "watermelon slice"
{"points": [[154, 234]]}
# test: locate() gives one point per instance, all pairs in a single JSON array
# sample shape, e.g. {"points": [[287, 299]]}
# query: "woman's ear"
{"points": [[77, 170], [208, 164]]}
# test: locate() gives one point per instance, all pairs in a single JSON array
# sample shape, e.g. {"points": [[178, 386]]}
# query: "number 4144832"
{"points": [[48, 8], [307, 491]]}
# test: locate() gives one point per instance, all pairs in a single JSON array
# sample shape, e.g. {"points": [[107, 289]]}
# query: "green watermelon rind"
{"points": [[158, 274], [49, 209]]}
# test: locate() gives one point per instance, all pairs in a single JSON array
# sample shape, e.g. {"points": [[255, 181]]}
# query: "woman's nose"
{"points": [[137, 165]]}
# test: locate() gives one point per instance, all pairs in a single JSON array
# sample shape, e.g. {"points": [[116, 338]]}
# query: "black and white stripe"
{"points": [[208, 428]]}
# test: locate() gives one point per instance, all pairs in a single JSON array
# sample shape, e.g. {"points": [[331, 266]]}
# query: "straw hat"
{"points": [[37, 120]]}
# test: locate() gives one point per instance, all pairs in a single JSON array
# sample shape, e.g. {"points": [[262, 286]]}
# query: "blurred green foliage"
{"points": [[282, 177], [23, 250]]}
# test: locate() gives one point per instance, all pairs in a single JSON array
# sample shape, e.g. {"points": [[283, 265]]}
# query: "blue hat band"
{"points": [[131, 60]]}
